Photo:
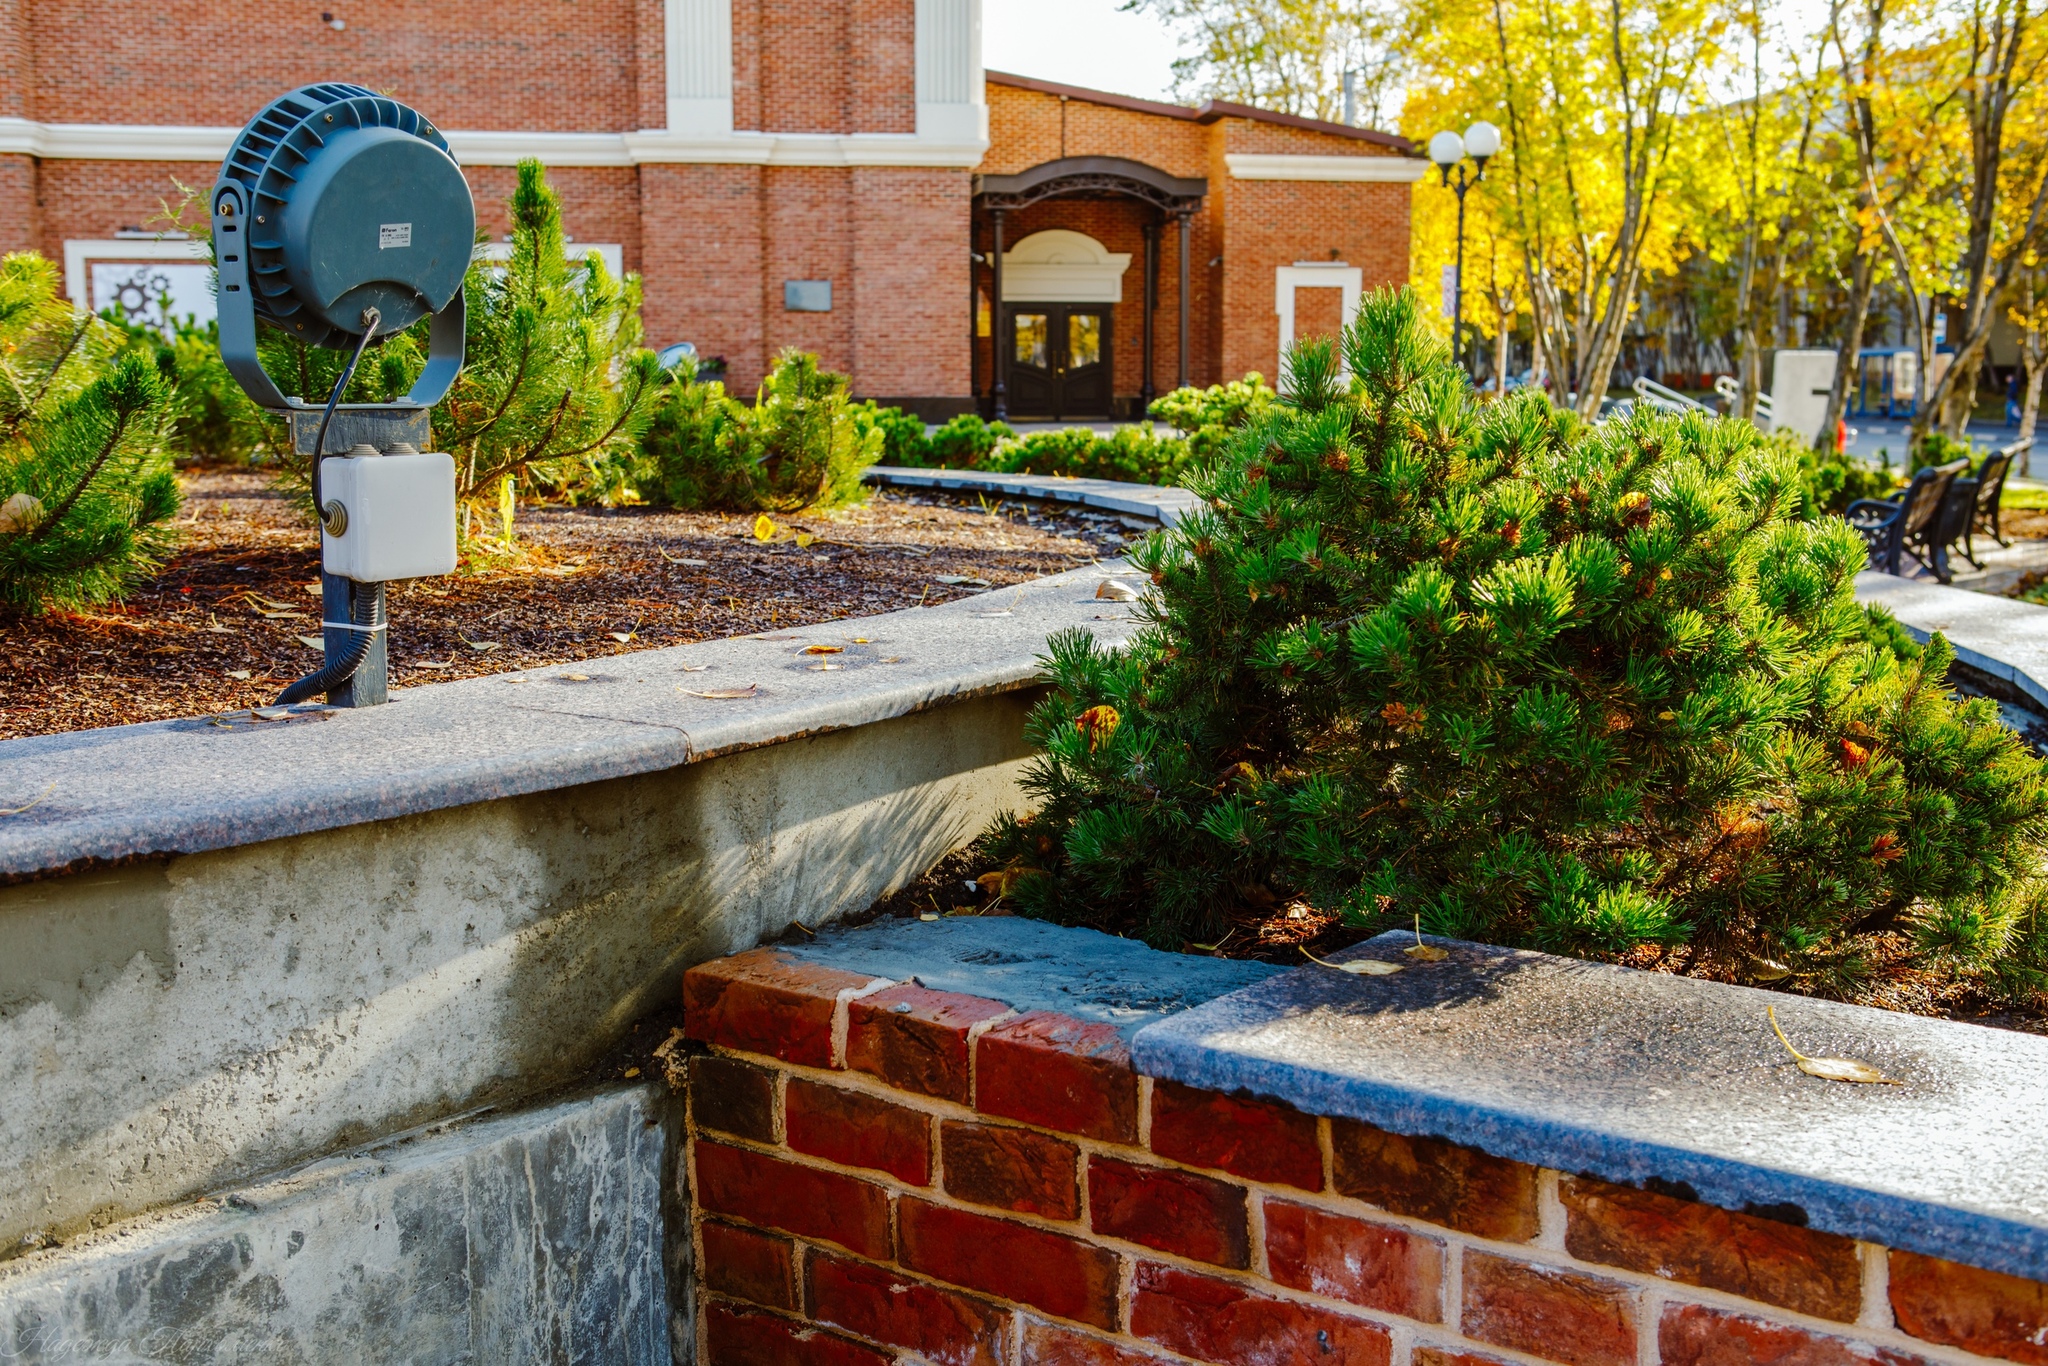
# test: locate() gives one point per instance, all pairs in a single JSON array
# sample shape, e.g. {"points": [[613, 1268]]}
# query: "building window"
{"points": [[1031, 340], [1084, 339]]}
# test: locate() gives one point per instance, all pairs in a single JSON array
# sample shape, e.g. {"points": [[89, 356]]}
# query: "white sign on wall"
{"points": [[1449, 286], [154, 292]]}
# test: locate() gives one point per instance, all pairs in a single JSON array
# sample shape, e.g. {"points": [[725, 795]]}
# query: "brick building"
{"points": [[836, 175]]}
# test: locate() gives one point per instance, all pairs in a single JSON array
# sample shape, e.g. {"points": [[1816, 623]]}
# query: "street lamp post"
{"points": [[1447, 149]]}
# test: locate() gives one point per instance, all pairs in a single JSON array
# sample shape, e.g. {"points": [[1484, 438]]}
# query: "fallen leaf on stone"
{"points": [[238, 673], [575, 678], [859, 640], [822, 650], [1363, 967], [765, 528], [692, 668], [722, 694], [823, 668], [1424, 953], [1765, 970], [961, 580], [482, 647], [929, 915], [516, 680], [1831, 1069], [312, 642], [1116, 590]]}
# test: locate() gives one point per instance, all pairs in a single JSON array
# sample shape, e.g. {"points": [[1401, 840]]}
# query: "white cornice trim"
{"points": [[1275, 166], [131, 142]]}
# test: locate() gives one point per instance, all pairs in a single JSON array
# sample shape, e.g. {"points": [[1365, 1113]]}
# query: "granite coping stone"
{"points": [[179, 787], [1636, 1076], [2004, 637], [1163, 504], [1032, 965]]}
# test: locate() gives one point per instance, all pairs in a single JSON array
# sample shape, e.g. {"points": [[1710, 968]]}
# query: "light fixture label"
{"points": [[393, 235]]}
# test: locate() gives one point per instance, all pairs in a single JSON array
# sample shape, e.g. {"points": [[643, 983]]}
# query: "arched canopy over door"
{"points": [[1178, 197]]}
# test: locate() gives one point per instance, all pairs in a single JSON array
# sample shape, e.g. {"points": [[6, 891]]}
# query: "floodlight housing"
{"points": [[335, 200]]}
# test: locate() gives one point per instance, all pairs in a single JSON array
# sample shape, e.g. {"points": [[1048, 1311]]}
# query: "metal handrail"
{"points": [[1657, 396], [1730, 388]]}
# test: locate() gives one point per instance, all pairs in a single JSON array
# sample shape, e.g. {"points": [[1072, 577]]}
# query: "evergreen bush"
{"points": [[903, 440], [1529, 681], [1206, 417], [964, 441], [1137, 454], [801, 444], [86, 488]]}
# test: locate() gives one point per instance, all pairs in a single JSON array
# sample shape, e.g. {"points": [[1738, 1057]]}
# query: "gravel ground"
{"points": [[225, 624]]}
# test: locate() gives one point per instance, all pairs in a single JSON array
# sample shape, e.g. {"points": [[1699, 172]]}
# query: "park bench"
{"points": [[1916, 520]]}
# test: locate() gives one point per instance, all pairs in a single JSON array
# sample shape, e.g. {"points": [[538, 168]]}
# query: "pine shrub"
{"points": [[86, 488], [1206, 417], [1529, 681], [801, 444]]}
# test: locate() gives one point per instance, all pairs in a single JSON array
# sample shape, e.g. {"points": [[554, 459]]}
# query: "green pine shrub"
{"points": [[903, 439], [1135, 454], [1829, 480], [964, 441], [1206, 417], [801, 444], [86, 488], [1529, 681]]}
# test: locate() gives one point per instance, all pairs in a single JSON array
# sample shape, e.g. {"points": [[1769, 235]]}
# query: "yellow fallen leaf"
{"points": [[448, 664], [632, 1072], [764, 528], [929, 915], [623, 637], [1363, 967], [1767, 970], [822, 650], [804, 539], [1831, 1069], [312, 642], [1424, 953], [722, 694], [860, 640], [242, 674]]}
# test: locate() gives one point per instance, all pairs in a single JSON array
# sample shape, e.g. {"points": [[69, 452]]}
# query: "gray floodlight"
{"points": [[340, 217]]}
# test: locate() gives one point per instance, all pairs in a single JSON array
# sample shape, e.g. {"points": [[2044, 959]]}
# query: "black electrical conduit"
{"points": [[364, 599]]}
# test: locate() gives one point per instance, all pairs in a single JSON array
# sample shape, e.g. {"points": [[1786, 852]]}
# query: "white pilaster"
{"points": [[951, 106], [699, 47]]}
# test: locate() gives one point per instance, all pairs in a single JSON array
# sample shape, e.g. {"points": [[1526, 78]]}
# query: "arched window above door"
{"points": [[1062, 266]]}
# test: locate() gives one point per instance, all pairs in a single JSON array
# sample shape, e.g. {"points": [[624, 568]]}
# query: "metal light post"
{"points": [[1447, 149]]}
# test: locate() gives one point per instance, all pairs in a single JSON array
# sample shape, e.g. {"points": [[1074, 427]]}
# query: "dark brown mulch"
{"points": [[220, 627]]}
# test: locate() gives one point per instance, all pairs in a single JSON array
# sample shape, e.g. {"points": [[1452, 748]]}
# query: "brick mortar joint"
{"points": [[1643, 1286], [1650, 1293]]}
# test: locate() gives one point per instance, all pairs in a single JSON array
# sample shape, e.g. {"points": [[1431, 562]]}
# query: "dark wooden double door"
{"points": [[1059, 360]]}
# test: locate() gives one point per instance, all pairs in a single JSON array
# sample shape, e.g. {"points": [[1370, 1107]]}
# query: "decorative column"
{"points": [[1184, 276], [951, 103], [1146, 392], [999, 352], [699, 67]]}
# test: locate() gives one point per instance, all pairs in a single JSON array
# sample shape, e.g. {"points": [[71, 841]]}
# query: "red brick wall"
{"points": [[883, 78], [702, 243], [95, 198], [540, 64], [14, 60], [797, 204], [908, 304], [19, 225], [883, 1173]]}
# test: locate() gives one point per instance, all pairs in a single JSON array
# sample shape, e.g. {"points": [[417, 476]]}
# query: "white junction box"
{"points": [[397, 517]]}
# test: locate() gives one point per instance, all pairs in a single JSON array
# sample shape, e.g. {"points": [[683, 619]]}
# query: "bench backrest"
{"points": [[1926, 494]]}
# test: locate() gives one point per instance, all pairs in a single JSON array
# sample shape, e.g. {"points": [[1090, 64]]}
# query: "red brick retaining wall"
{"points": [[880, 1172]]}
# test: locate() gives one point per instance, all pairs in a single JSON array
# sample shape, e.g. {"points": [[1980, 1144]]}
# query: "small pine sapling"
{"points": [[86, 487], [1533, 682]]}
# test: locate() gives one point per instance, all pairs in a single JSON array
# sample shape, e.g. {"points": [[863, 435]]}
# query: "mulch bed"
{"points": [[225, 624]]}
